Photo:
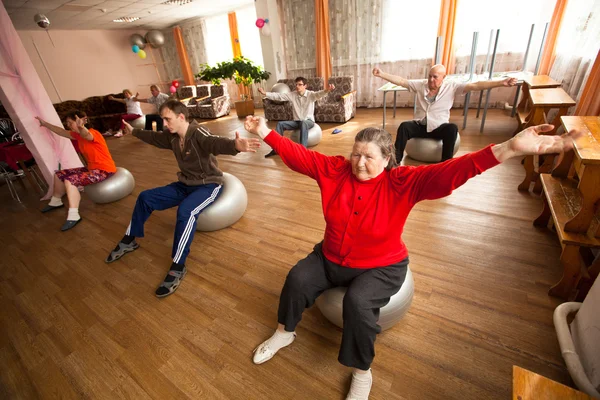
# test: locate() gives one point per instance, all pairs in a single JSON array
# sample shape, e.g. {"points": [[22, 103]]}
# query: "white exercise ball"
{"points": [[331, 304], [314, 135], [227, 209], [139, 123], [114, 188], [280, 88], [428, 150]]}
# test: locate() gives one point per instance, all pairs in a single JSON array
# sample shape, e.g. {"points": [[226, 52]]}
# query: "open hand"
{"points": [[246, 145], [128, 128], [256, 125], [529, 141], [377, 72], [111, 98], [41, 121], [509, 82], [262, 91], [330, 87], [80, 122]]}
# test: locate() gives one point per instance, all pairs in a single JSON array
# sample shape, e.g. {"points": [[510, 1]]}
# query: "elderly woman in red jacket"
{"points": [[366, 201]]}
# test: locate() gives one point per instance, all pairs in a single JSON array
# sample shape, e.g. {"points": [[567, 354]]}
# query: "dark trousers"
{"points": [[154, 118], [368, 291], [407, 130], [192, 200], [304, 126]]}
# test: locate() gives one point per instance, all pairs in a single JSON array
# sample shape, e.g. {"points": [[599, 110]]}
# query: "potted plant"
{"points": [[244, 72]]}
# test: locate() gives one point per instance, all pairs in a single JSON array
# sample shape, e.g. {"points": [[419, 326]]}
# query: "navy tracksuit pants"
{"points": [[192, 200]]}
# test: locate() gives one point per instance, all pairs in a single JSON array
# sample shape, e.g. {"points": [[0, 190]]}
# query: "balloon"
{"points": [[175, 83], [141, 54], [138, 40], [266, 31], [155, 38], [42, 21], [135, 48], [260, 23], [172, 89]]}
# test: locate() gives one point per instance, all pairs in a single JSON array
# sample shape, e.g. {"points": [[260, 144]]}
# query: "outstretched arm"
{"points": [[484, 85], [439, 180], [115, 99], [83, 131], [56, 129], [398, 80], [161, 140]]}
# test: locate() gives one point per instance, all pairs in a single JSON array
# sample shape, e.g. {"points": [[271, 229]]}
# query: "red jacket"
{"points": [[365, 220]]}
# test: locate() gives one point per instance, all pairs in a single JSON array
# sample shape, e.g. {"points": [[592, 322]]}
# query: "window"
{"points": [[218, 39], [409, 29], [249, 34]]}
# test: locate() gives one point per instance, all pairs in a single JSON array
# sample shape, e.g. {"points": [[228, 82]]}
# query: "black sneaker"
{"points": [[50, 208], [270, 154]]}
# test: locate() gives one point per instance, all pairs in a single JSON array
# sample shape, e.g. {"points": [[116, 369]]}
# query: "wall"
{"points": [[90, 63]]}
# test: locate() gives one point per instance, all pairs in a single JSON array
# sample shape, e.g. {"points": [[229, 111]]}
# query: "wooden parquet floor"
{"points": [[72, 326]]}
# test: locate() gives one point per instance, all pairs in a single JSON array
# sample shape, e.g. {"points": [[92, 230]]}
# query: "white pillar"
{"points": [[272, 46]]}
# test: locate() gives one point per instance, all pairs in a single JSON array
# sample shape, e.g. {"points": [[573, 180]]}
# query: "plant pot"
{"points": [[244, 108]]}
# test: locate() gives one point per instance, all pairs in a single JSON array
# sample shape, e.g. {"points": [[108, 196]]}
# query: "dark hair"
{"points": [[300, 79], [176, 106], [381, 138], [73, 114]]}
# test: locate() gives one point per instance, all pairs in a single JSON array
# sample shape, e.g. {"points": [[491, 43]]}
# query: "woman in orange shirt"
{"points": [[100, 165]]}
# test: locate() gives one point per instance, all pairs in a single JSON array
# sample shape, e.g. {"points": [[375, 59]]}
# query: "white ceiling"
{"points": [[88, 14]]}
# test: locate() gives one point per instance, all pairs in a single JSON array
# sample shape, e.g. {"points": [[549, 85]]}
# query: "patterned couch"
{"points": [[102, 113], [340, 104], [282, 110], [337, 106], [211, 102]]}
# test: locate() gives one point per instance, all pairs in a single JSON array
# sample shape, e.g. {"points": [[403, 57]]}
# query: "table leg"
{"points": [[479, 105], [487, 100], [466, 109], [529, 172], [395, 92], [384, 94], [514, 108], [571, 272], [29, 177]]}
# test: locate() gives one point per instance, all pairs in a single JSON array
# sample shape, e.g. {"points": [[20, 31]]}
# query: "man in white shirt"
{"points": [[303, 106], [157, 99], [434, 101]]}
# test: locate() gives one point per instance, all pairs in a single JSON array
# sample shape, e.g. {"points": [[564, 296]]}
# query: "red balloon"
{"points": [[260, 23], [175, 83]]}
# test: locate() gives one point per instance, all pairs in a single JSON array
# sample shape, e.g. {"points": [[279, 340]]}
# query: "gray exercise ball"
{"points": [[116, 187], [138, 40], [280, 88], [331, 304], [227, 209], [428, 150], [314, 135], [155, 38], [139, 123]]}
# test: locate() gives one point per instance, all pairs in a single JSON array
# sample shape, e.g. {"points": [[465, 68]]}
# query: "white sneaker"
{"points": [[361, 386], [118, 134], [267, 349]]}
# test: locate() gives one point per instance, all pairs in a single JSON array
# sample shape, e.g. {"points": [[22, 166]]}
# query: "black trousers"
{"points": [[407, 130], [154, 118], [368, 291]]}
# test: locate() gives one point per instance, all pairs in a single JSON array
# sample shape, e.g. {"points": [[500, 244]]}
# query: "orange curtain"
{"points": [[322, 37], [184, 60], [589, 103], [233, 32], [446, 30], [553, 30]]}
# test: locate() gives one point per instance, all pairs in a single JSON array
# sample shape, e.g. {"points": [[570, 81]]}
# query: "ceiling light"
{"points": [[176, 2], [126, 19]]}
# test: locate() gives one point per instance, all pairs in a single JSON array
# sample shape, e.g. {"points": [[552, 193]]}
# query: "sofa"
{"points": [[211, 102], [338, 106]]}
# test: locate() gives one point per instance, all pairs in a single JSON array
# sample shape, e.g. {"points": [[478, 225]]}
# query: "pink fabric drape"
{"points": [[24, 97]]}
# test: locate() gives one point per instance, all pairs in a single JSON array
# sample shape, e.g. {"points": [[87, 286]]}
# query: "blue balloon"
{"points": [[135, 48]]}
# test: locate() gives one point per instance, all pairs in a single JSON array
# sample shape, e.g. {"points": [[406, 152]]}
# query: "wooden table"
{"points": [[542, 101], [528, 385], [571, 195], [529, 83]]}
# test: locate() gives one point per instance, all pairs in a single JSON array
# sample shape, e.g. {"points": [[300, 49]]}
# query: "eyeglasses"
{"points": [[299, 84]]}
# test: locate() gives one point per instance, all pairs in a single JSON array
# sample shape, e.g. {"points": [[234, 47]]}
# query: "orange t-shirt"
{"points": [[95, 151]]}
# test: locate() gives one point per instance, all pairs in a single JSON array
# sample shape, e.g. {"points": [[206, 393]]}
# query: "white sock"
{"points": [[55, 201], [361, 385], [73, 214], [279, 340]]}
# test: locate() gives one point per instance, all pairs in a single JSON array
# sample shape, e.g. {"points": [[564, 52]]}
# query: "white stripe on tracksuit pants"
{"points": [[191, 201]]}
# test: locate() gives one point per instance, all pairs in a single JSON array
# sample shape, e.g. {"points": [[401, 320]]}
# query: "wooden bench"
{"points": [[528, 385], [562, 202]]}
